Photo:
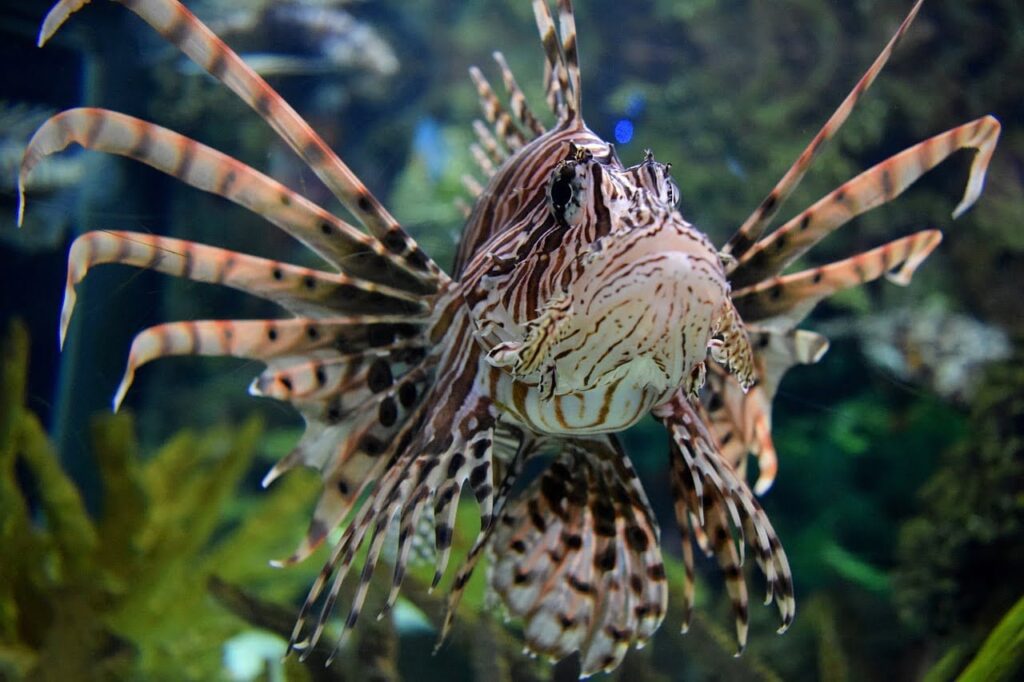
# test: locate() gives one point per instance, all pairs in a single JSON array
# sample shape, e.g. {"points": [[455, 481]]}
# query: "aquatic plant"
{"points": [[962, 559], [1001, 656], [124, 594]]}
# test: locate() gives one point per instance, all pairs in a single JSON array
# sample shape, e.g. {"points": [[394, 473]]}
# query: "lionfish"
{"points": [[580, 301]]}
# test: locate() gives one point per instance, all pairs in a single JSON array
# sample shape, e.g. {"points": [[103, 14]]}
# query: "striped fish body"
{"points": [[580, 301]]}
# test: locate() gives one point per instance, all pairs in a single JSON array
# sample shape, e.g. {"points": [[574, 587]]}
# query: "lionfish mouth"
{"points": [[580, 300]]}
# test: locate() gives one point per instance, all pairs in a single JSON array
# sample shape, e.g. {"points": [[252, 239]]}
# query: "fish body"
{"points": [[581, 300]]}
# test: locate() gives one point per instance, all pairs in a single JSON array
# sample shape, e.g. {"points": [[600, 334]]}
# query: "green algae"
{"points": [[124, 595]]}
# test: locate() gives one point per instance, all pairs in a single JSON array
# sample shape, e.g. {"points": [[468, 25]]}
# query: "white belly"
{"points": [[612, 406]]}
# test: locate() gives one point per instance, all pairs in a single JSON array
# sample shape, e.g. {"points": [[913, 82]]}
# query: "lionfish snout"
{"points": [[649, 301]]}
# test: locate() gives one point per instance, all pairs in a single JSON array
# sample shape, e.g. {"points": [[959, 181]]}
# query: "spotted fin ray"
{"points": [[716, 508]]}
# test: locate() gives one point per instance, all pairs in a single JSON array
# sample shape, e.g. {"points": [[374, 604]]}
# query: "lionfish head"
{"points": [[622, 269]]}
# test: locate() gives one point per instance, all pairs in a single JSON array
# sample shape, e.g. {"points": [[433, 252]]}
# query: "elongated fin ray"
{"points": [[741, 421], [183, 30], [874, 187], [472, 186], [340, 244], [346, 473], [786, 300], [517, 99], [495, 112], [322, 375], [450, 448], [482, 160], [488, 143], [556, 74], [713, 503], [410, 523], [754, 225], [353, 439], [400, 486], [304, 291], [776, 352], [270, 339], [567, 28], [525, 448]]}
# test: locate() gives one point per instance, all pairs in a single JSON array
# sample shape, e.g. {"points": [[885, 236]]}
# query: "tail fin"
{"points": [[578, 558]]}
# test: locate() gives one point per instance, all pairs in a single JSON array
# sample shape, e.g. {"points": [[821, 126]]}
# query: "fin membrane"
{"points": [[577, 557]]}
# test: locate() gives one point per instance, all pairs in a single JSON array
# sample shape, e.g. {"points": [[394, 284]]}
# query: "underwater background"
{"points": [[136, 546]]}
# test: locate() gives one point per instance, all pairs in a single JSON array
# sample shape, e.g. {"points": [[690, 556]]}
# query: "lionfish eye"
{"points": [[563, 189], [665, 186], [561, 192], [672, 193]]}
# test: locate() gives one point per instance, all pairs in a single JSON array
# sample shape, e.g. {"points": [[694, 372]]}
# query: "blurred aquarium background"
{"points": [[135, 546]]}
